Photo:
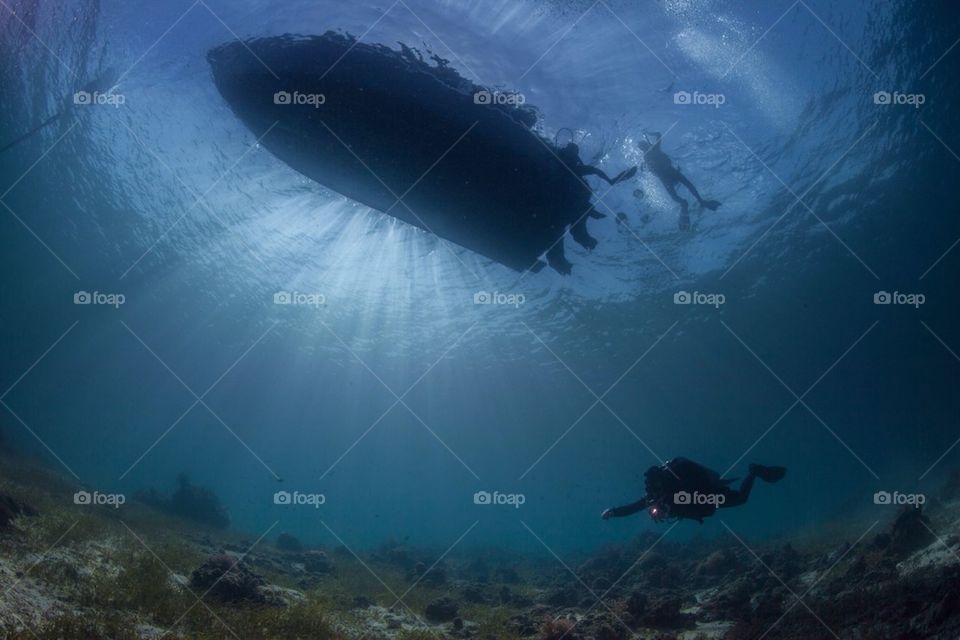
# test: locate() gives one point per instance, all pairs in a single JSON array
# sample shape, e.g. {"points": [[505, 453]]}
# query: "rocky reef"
{"points": [[11, 508], [188, 501], [87, 571]]}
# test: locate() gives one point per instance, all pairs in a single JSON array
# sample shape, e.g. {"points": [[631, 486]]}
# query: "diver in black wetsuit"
{"points": [[570, 156], [661, 166], [682, 488]]}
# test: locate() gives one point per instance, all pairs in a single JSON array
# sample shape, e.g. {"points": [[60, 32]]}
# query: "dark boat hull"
{"points": [[405, 138]]}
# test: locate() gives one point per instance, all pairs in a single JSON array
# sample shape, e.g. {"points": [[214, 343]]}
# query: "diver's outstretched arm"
{"points": [[588, 170], [626, 174], [626, 510]]}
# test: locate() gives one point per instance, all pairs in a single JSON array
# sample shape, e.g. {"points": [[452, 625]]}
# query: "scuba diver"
{"points": [[682, 489], [570, 156], [662, 167]]}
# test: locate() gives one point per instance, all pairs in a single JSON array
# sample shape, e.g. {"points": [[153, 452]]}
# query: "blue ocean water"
{"points": [[825, 129]]}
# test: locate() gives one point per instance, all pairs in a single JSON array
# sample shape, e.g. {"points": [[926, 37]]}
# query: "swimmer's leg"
{"points": [[684, 221], [557, 259], [709, 204], [582, 236], [734, 498]]}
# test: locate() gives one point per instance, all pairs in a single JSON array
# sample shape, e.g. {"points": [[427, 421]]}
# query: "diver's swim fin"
{"points": [[710, 204], [768, 474]]}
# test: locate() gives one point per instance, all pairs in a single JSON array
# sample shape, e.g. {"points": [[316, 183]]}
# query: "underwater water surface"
{"points": [[177, 300]]}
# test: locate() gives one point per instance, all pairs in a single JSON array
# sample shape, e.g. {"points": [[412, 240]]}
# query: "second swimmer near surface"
{"points": [[657, 162]]}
